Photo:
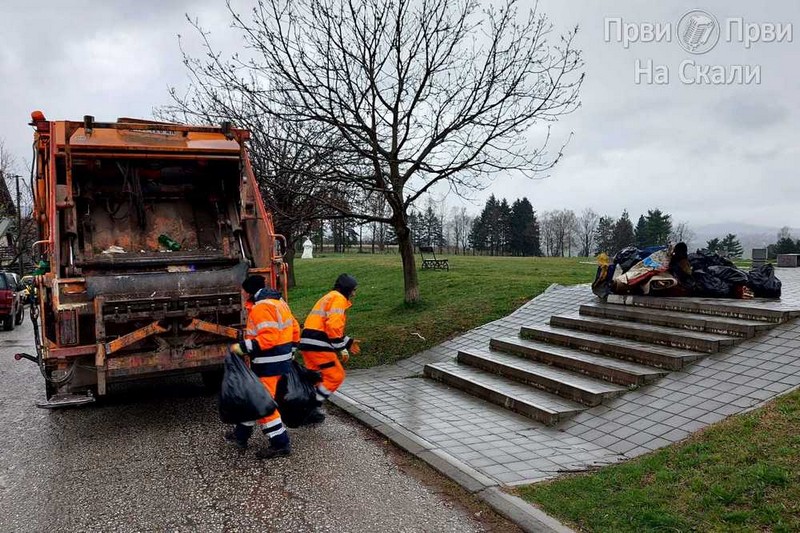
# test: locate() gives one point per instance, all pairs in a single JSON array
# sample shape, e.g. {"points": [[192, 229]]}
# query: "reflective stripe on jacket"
{"points": [[323, 330], [270, 334]]}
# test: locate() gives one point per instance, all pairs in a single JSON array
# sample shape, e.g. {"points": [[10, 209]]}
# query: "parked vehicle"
{"points": [[147, 230], [12, 300]]}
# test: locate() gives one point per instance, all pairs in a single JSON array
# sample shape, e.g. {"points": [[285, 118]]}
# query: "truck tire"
{"points": [[21, 315], [8, 323]]}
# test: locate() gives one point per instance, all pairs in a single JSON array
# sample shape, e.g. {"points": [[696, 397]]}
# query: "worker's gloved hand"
{"points": [[355, 347], [236, 349], [344, 355]]}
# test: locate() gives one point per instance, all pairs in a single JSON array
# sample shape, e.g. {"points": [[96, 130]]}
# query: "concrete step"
{"points": [[591, 364], [523, 399], [755, 309], [564, 383], [639, 352], [677, 319], [679, 338]]}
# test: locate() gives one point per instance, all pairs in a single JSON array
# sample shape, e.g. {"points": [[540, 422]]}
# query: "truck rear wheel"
{"points": [[21, 315], [8, 323]]}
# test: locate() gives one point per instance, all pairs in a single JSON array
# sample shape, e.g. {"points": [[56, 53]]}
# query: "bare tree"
{"points": [[460, 224], [567, 229], [587, 224], [16, 209], [557, 231], [419, 92], [547, 233], [289, 159], [681, 232]]}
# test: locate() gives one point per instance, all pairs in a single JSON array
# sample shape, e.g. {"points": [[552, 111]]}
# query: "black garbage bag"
{"points": [[296, 394], [763, 282], [710, 285], [627, 257], [732, 275], [702, 259], [242, 397]]}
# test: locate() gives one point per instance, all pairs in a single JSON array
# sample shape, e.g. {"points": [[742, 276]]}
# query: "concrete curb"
{"points": [[526, 516]]}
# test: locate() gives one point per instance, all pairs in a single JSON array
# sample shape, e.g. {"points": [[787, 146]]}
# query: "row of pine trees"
{"points": [[504, 228]]}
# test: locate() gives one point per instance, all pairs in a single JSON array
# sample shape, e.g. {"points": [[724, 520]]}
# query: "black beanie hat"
{"points": [[253, 284], [345, 284]]}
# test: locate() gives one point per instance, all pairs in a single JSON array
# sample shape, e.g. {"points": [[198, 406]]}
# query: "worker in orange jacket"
{"points": [[323, 338], [271, 334]]}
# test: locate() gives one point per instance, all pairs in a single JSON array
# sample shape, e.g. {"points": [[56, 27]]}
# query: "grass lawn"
{"points": [[475, 291], [742, 474]]}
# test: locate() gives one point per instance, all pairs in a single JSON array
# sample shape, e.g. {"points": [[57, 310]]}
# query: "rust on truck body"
{"points": [[117, 303]]}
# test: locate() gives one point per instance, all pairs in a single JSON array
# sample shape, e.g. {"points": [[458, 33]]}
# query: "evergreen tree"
{"points": [[532, 237], [503, 228], [658, 227], [623, 235], [641, 232], [524, 229], [786, 245], [477, 234], [491, 224], [731, 247], [713, 246], [604, 235], [431, 230], [415, 225]]}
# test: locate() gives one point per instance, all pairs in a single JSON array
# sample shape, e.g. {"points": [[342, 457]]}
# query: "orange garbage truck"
{"points": [[146, 231]]}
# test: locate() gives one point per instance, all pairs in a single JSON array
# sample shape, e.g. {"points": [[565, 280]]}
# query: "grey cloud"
{"points": [[752, 111]]}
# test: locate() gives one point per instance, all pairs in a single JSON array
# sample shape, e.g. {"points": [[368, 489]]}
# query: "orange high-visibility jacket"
{"points": [[271, 333], [323, 330]]}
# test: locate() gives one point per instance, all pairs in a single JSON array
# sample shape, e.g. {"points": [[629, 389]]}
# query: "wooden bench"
{"points": [[434, 264]]}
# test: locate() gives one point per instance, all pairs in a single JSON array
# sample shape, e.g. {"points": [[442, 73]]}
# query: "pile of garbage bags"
{"points": [[672, 271]]}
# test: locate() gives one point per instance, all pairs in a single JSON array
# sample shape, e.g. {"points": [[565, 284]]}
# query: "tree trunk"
{"points": [[289, 259], [406, 248]]}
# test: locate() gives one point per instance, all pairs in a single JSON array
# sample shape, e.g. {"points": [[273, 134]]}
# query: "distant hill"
{"points": [[750, 235]]}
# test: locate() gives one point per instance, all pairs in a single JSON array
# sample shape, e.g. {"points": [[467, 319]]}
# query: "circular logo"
{"points": [[697, 31]]}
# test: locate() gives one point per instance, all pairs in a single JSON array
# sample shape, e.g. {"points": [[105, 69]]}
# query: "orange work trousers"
{"points": [[332, 374], [271, 384]]}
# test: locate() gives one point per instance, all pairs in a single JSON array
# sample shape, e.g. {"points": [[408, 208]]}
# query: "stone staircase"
{"points": [[552, 371]]}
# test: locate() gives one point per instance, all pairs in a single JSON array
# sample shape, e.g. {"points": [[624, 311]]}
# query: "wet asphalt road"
{"points": [[151, 458]]}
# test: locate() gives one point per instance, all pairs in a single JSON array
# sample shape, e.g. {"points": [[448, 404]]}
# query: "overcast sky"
{"points": [[705, 153]]}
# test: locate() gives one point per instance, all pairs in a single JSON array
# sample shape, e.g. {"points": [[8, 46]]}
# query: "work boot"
{"points": [[279, 446], [239, 436], [315, 416], [272, 451]]}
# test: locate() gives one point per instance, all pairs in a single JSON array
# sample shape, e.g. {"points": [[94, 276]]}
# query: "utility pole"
{"points": [[19, 227]]}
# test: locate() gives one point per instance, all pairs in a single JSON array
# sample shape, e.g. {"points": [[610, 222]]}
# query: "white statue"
{"points": [[308, 247]]}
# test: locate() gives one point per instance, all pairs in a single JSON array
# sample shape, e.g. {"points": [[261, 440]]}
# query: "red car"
{"points": [[12, 306]]}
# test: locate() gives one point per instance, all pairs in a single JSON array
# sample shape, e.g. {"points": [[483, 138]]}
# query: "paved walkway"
{"points": [[483, 445]]}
